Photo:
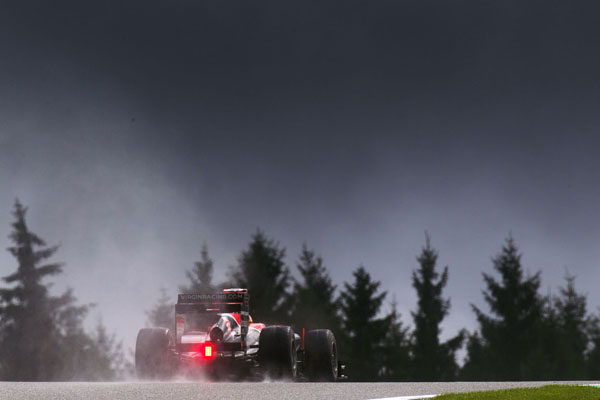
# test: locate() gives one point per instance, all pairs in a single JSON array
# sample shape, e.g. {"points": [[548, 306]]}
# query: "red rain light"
{"points": [[208, 351]]}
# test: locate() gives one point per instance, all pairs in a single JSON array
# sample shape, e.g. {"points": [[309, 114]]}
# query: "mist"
{"points": [[135, 133]]}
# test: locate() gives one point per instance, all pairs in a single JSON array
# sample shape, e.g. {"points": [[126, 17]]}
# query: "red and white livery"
{"points": [[214, 334]]}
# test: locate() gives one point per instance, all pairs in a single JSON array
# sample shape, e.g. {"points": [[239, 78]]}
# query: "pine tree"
{"points": [[475, 368], [365, 332], [262, 270], [200, 278], [29, 343], [42, 336], [592, 359], [313, 301], [108, 362], [163, 313], [396, 361], [542, 362], [75, 342], [571, 313], [432, 360], [95, 357], [509, 338]]}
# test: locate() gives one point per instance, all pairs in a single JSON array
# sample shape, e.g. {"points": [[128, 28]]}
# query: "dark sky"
{"points": [[135, 131]]}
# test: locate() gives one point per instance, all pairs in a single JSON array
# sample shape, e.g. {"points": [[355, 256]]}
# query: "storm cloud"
{"points": [[137, 131]]}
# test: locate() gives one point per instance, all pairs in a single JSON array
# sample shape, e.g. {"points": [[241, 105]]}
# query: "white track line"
{"points": [[423, 396]]}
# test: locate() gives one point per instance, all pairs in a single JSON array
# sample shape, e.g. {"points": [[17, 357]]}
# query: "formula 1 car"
{"points": [[215, 335]]}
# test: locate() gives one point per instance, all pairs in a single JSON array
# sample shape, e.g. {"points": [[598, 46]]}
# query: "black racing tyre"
{"points": [[320, 355], [277, 352], [152, 358]]}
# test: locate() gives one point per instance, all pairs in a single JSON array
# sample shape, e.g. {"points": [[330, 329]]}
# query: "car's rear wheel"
{"points": [[320, 355], [152, 354], [277, 352]]}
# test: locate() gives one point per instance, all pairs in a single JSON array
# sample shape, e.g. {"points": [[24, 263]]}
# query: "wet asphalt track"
{"points": [[240, 391]]}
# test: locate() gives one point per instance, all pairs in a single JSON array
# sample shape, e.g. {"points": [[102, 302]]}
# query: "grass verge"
{"points": [[550, 392]]}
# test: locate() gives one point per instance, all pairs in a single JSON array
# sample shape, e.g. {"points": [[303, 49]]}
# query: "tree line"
{"points": [[523, 335]]}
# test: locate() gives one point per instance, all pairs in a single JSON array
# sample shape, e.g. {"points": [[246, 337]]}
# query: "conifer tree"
{"points": [[510, 335], [200, 278], [262, 270], [396, 361], [29, 347], [91, 357], [543, 360], [592, 359], [163, 313], [313, 302], [42, 336], [107, 354], [432, 360], [573, 322], [365, 331], [562, 342], [474, 368], [75, 342]]}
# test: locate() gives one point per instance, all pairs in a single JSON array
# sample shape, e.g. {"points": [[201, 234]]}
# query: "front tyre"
{"points": [[277, 352], [320, 355]]}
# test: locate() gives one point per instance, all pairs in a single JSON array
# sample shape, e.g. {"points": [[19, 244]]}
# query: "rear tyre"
{"points": [[152, 354], [320, 356], [277, 352]]}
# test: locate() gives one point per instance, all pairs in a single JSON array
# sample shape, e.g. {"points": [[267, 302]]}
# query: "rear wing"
{"points": [[229, 301]]}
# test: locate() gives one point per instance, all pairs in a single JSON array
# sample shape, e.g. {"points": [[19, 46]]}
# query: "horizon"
{"points": [[136, 132]]}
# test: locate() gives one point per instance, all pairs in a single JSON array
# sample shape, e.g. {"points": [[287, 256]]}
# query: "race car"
{"points": [[214, 335]]}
